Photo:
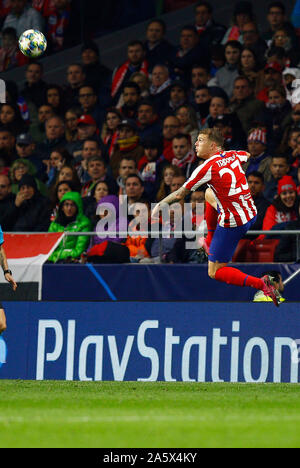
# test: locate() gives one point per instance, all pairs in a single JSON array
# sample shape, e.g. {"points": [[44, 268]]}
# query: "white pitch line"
{"points": [[153, 419]]}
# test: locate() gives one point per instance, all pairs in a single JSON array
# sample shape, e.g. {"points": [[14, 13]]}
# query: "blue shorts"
{"points": [[225, 241]]}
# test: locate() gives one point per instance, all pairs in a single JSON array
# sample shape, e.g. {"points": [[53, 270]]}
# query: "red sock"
{"points": [[234, 276], [211, 216]]}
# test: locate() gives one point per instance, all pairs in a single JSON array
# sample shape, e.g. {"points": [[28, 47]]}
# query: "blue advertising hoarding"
{"points": [[188, 282], [135, 341]]}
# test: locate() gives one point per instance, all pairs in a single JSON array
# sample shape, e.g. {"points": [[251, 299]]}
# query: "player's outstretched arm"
{"points": [[7, 272], [172, 198]]}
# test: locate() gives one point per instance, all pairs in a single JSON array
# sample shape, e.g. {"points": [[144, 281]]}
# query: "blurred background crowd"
{"points": [[66, 150]]}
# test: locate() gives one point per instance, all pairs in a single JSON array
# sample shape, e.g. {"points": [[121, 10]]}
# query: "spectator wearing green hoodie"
{"points": [[70, 218]]}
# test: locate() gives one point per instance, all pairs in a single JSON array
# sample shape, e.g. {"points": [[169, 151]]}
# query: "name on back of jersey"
{"points": [[225, 161]]}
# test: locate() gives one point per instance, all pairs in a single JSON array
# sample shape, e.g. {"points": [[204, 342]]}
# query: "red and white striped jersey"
{"points": [[223, 173]]}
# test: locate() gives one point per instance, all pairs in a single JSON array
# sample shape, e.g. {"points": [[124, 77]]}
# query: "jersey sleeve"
{"points": [[242, 156], [201, 175], [1, 236]]}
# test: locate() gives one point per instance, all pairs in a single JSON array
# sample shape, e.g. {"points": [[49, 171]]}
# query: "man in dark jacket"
{"points": [[243, 102], [55, 137], [7, 146], [31, 211], [188, 53], [97, 74], [7, 202], [148, 120], [209, 31], [277, 19], [158, 49], [131, 97], [256, 185], [35, 87]]}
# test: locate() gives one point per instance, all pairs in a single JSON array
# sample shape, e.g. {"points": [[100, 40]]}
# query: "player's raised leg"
{"points": [[222, 249], [2, 320], [222, 272]]}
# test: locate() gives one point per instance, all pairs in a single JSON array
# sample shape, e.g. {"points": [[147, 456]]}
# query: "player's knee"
{"points": [[2, 322], [211, 273]]}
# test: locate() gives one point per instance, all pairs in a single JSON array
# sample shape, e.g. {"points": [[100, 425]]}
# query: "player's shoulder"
{"points": [[231, 155]]}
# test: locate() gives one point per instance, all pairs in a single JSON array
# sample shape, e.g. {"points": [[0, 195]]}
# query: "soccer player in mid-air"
{"points": [[8, 277], [230, 210]]}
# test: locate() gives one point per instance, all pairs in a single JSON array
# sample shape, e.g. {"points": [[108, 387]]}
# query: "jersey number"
{"points": [[234, 190]]}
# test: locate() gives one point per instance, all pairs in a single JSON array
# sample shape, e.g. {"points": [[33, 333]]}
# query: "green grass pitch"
{"points": [[148, 415]]}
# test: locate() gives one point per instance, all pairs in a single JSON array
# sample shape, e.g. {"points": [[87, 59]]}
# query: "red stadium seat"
{"points": [[262, 252]]}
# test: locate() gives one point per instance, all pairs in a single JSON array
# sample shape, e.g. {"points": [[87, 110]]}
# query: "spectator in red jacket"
{"points": [[284, 206]]}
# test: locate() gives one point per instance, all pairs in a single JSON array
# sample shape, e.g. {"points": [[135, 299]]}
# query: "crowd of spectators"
{"points": [[66, 151]]}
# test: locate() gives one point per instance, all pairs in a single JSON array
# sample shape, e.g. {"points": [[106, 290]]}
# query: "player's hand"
{"points": [[10, 280]]}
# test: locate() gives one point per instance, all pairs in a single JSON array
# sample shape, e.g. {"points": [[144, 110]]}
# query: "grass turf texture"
{"points": [[149, 415]]}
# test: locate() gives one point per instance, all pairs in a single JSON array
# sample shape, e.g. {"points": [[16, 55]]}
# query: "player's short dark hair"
{"points": [[257, 174], [214, 135]]}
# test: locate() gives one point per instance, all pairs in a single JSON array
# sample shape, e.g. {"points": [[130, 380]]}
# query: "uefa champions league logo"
{"points": [[3, 351]]}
